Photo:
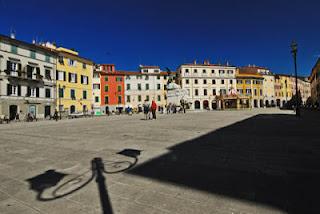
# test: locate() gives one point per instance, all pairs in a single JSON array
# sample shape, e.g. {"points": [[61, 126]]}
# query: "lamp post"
{"points": [[294, 50]]}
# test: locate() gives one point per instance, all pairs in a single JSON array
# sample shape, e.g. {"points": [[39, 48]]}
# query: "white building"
{"points": [[149, 83], [27, 79], [204, 82], [96, 90]]}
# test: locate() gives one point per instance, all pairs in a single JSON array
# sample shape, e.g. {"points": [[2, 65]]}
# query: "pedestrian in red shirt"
{"points": [[153, 109]]}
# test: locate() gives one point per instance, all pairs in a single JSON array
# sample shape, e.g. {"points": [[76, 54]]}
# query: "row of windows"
{"points": [[32, 53], [196, 81], [146, 77], [72, 94], [15, 69], [31, 92], [249, 92], [106, 99], [71, 62], [147, 98], [204, 71], [248, 82], [72, 77], [147, 87]]}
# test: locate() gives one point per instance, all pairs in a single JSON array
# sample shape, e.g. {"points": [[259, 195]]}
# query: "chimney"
{"points": [[194, 62]]}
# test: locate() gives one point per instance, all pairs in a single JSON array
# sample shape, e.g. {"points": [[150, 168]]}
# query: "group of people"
{"points": [[150, 110]]}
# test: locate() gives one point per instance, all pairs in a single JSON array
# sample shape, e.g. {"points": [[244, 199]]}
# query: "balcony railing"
{"points": [[24, 79]]}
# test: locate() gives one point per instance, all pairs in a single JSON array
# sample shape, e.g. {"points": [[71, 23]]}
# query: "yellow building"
{"points": [[285, 88], [74, 82], [250, 85]]}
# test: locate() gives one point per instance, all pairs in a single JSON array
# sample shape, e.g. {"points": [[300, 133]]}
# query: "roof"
{"points": [[206, 65], [249, 75], [149, 66], [29, 45]]}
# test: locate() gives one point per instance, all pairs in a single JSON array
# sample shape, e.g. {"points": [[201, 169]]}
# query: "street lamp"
{"points": [[294, 50]]}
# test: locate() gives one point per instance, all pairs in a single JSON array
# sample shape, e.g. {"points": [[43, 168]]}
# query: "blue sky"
{"points": [[168, 33]]}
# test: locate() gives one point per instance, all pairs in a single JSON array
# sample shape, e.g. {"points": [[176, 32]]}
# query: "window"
{"points": [[71, 62], [204, 71], [128, 99], [239, 82], [230, 81], [119, 99], [196, 92], [214, 92], [128, 87], [61, 92], [48, 93], [158, 86], [9, 89], [84, 95], [186, 71], [195, 71], [204, 82], [195, 81], [156, 71], [72, 94], [260, 92], [119, 88], [119, 79], [248, 91], [212, 71], [187, 82], [95, 75], [84, 65], [158, 77], [96, 99], [248, 82], [72, 77], [139, 98], [205, 93], [147, 98], [222, 82], [106, 78], [159, 98], [60, 59], [223, 91], [147, 86], [139, 86], [37, 92], [84, 80], [106, 88], [106, 100], [61, 75], [128, 77], [146, 77], [145, 70], [33, 54], [230, 71], [14, 49], [47, 74], [96, 86], [47, 58], [255, 92], [213, 82]]}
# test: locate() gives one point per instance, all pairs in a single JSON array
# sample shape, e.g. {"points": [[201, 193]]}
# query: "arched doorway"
{"points": [[261, 103], [197, 104], [255, 103], [278, 102], [214, 105], [272, 103], [72, 109], [205, 104], [283, 103], [13, 110], [267, 103]]}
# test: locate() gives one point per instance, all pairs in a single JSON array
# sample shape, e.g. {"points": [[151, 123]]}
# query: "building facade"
{"points": [[96, 90], [27, 79], [112, 89], [147, 84], [74, 82], [250, 85], [208, 85], [315, 83]]}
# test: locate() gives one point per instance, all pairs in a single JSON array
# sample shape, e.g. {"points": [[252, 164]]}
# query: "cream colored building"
{"points": [[206, 82]]}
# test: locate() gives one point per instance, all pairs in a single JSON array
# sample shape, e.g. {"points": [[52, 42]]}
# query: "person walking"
{"points": [[146, 109], [55, 115], [154, 109]]}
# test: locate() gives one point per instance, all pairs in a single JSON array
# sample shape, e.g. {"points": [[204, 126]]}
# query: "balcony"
{"points": [[25, 78]]}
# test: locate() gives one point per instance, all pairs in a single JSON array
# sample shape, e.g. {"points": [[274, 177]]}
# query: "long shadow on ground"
{"points": [[272, 160]]}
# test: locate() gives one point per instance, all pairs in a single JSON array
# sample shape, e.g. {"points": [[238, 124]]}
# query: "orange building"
{"points": [[112, 89]]}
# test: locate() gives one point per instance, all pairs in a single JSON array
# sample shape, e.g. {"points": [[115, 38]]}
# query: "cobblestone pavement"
{"points": [[253, 161]]}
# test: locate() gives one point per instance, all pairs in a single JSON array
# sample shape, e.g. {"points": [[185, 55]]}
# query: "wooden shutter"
{"points": [[37, 92], [8, 65], [57, 75], [76, 78], [69, 79], [38, 70], [64, 76], [9, 89], [19, 90], [81, 79]]}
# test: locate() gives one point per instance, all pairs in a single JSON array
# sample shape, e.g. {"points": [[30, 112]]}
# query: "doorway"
{"points": [[13, 110], [47, 111]]}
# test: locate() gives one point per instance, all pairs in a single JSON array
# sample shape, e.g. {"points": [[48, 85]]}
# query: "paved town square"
{"points": [[252, 161]]}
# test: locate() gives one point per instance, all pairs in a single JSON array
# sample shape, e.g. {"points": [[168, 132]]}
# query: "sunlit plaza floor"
{"points": [[252, 161]]}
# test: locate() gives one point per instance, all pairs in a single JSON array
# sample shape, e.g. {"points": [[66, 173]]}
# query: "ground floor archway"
{"points": [[205, 104], [72, 109], [197, 104], [13, 110]]}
